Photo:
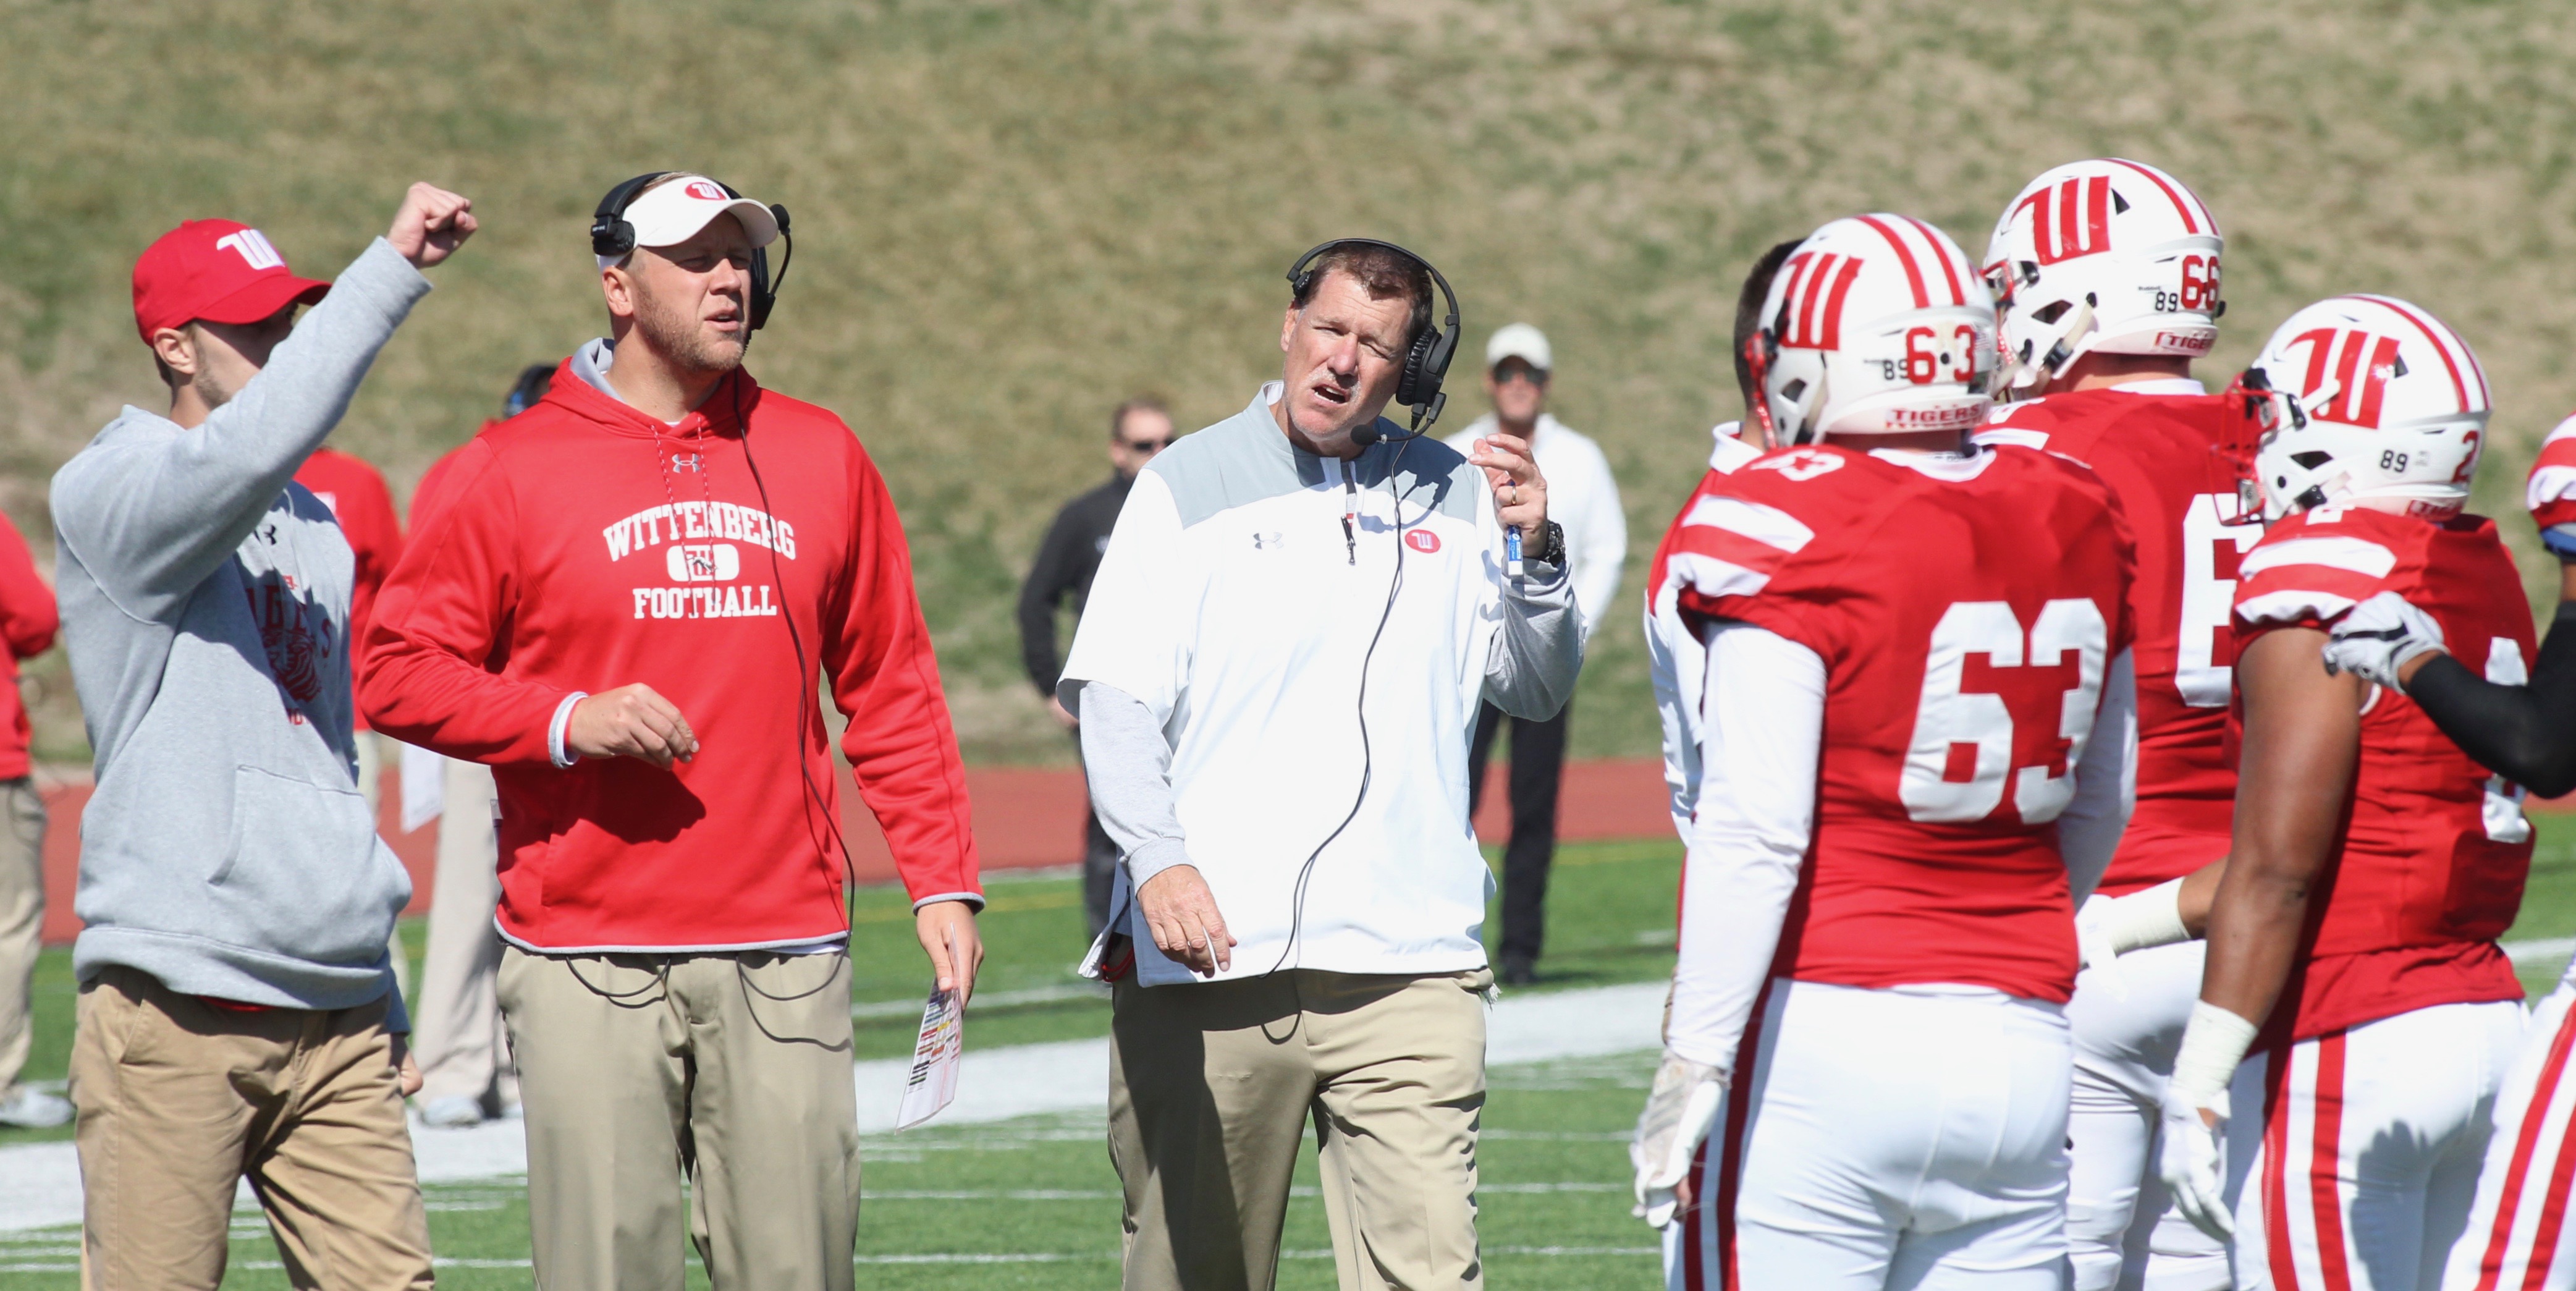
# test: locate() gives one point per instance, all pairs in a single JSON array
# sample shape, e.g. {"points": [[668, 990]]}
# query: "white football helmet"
{"points": [[2364, 397], [2104, 255], [1875, 325]]}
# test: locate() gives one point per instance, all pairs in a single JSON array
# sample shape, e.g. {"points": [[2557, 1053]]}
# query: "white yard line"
{"points": [[40, 1183]]}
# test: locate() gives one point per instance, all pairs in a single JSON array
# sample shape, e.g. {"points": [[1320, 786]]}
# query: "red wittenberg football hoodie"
{"points": [[584, 545]]}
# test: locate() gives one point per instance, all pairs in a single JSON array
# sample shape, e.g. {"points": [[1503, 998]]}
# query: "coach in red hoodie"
{"points": [[620, 603]]}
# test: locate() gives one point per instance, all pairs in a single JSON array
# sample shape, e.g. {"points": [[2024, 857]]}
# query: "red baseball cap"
{"points": [[217, 271]]}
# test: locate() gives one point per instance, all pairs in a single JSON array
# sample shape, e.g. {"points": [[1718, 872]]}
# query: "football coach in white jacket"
{"points": [[1299, 613]]}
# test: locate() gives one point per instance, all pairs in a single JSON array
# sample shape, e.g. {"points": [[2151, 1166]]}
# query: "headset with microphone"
{"points": [[1424, 364], [613, 237]]}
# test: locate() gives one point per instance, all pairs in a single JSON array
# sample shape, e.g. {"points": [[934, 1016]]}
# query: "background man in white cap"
{"points": [[623, 601], [1585, 499]]}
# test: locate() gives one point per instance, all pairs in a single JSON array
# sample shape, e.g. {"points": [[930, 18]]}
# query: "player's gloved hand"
{"points": [[2378, 637], [2192, 1161], [1680, 1109], [2192, 1165]]}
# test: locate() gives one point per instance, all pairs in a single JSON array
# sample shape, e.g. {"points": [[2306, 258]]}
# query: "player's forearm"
{"points": [[2526, 734], [2254, 928]]}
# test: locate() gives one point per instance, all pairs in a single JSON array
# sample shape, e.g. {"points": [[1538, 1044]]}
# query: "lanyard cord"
{"points": [[1368, 766]]}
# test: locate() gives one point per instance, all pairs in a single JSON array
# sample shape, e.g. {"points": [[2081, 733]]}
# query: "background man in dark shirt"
{"points": [[1138, 429]]}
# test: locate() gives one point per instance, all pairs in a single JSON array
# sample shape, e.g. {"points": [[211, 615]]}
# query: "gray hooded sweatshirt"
{"points": [[205, 597]]}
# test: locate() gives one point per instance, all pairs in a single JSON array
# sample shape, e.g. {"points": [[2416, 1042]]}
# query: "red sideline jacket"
{"points": [[583, 545], [28, 621], [362, 504]]}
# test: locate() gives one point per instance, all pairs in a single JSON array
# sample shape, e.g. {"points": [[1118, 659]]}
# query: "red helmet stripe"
{"points": [[2441, 342], [1834, 305], [1948, 270], [1796, 270], [2183, 206], [1905, 256]]}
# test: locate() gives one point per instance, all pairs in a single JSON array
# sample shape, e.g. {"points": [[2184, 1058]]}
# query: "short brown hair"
{"points": [[1140, 403], [1748, 315], [1383, 272]]}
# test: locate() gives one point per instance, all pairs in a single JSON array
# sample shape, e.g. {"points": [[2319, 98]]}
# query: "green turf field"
{"points": [[1032, 1203]]}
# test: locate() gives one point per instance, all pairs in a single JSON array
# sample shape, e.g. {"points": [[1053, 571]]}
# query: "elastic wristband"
{"points": [[2213, 1046], [2560, 539], [556, 729], [2144, 920]]}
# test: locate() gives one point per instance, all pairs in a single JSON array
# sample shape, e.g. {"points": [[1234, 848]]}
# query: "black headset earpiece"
{"points": [[612, 236], [1426, 363]]}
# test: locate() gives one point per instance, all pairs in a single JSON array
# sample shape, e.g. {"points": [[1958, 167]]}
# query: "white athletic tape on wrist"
{"points": [[2213, 1046], [2145, 920]]}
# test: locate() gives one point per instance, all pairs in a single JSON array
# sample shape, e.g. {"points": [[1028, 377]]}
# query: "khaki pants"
{"points": [[456, 1028], [1210, 1089], [22, 918], [179, 1100], [733, 1068]]}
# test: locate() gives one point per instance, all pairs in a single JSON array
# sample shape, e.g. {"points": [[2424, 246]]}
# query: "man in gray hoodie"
{"points": [[236, 1009]]}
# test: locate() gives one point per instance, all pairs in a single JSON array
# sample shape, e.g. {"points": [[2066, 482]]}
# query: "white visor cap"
{"points": [[1520, 341], [677, 206]]}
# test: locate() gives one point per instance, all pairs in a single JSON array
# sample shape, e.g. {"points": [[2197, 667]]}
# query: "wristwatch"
{"points": [[1548, 548]]}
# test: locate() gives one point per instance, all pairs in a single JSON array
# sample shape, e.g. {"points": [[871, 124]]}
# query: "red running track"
{"points": [[1025, 818]]}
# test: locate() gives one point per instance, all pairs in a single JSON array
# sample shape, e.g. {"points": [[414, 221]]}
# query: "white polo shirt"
{"points": [[1231, 605]]}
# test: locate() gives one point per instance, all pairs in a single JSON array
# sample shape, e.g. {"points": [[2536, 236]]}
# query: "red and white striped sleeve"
{"points": [[1728, 548], [2551, 490], [2307, 578]]}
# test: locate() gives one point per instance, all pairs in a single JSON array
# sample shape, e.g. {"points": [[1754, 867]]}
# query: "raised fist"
{"points": [[431, 225]]}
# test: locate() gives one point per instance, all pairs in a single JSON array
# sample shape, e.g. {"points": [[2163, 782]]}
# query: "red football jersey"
{"points": [[2430, 866], [1966, 616], [2158, 452]]}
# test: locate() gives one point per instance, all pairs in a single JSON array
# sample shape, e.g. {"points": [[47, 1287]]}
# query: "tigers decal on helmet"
{"points": [[2109, 256], [2365, 397], [1876, 324]]}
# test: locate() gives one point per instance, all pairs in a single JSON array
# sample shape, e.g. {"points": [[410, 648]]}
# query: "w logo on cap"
{"points": [[254, 248], [1811, 312], [2071, 218], [2353, 390], [705, 191]]}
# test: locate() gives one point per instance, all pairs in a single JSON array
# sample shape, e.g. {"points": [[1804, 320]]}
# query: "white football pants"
{"points": [[2372, 1139], [1875, 1139], [2121, 1226], [2520, 1236]]}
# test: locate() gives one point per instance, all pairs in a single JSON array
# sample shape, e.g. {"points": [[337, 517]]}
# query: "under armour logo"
{"points": [[1271, 541], [688, 461]]}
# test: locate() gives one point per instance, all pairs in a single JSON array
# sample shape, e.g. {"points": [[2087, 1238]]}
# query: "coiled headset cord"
{"points": [[1395, 584]]}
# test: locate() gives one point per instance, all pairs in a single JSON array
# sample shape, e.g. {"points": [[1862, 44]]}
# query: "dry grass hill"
{"points": [[1014, 212]]}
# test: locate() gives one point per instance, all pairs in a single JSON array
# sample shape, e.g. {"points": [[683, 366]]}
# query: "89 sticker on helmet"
{"points": [[2362, 397], [2107, 255], [1875, 325]]}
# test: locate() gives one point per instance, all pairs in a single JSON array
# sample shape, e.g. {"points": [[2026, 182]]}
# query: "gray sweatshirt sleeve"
{"points": [[150, 517], [1538, 646], [1130, 769]]}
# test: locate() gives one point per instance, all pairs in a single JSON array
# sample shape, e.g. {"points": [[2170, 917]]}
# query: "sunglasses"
{"points": [[1149, 447], [1515, 371]]}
